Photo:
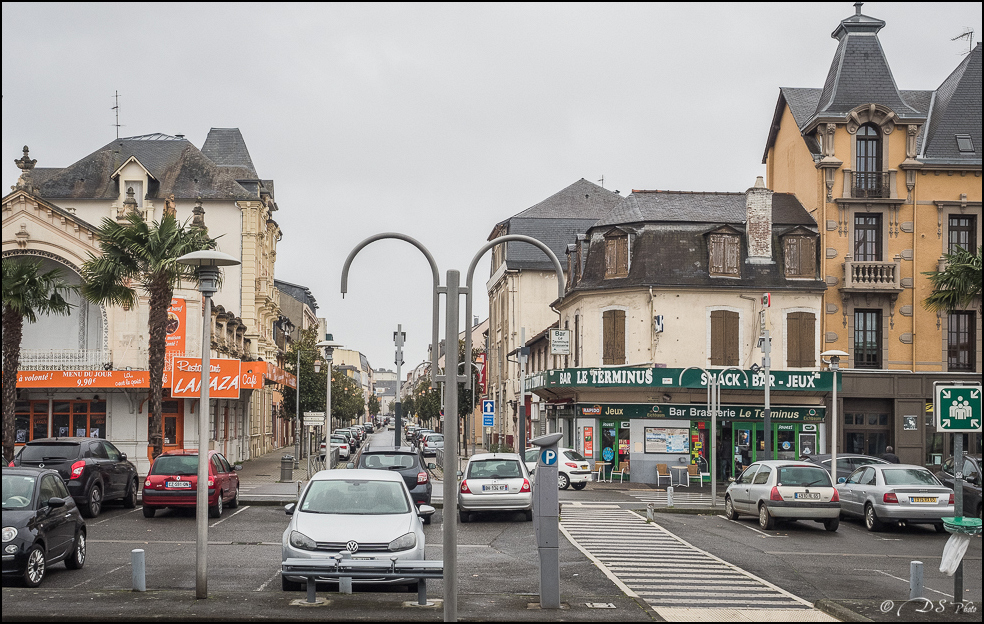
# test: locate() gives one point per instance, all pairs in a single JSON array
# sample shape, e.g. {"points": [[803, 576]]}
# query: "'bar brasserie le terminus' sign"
{"points": [[730, 379]]}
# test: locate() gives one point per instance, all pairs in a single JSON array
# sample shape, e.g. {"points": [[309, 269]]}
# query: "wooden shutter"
{"points": [[732, 253], [730, 338], [792, 256], [614, 336], [622, 256], [800, 339], [717, 257], [793, 339], [717, 338]]}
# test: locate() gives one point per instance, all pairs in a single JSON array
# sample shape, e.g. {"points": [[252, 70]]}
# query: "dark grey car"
{"points": [[408, 462], [971, 484]]}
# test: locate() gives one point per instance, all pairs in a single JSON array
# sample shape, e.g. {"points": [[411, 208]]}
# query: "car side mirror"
{"points": [[425, 510], [122, 456], [289, 509], [972, 479], [842, 480], [237, 467], [55, 502], [350, 465], [459, 474]]}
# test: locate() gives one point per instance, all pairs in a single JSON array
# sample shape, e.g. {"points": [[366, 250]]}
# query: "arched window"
{"points": [[868, 176]]}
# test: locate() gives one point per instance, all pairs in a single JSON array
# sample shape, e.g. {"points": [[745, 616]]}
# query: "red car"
{"points": [[173, 482]]}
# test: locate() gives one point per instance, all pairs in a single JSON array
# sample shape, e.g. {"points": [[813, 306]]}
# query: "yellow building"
{"points": [[893, 179]]}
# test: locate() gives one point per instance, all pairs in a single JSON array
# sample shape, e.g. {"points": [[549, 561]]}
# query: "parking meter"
{"points": [[546, 516]]}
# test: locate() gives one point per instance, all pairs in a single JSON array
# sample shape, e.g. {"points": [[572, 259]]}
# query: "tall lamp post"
{"points": [[328, 346], [834, 365], [208, 263]]}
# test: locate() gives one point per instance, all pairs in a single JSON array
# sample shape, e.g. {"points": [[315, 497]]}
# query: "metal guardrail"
{"points": [[343, 568], [439, 458]]}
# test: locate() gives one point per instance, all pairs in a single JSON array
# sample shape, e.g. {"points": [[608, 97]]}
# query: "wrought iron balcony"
{"points": [[871, 184], [64, 359], [869, 275]]}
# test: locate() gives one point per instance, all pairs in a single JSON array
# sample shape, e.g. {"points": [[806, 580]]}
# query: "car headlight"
{"points": [[404, 542], [299, 540], [9, 533]]}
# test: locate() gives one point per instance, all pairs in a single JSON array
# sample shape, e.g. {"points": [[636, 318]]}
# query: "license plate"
{"points": [[923, 499], [807, 495], [495, 488], [178, 484]]}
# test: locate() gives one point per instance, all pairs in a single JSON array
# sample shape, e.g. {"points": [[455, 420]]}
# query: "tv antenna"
{"points": [[117, 109], [602, 181], [967, 34]]}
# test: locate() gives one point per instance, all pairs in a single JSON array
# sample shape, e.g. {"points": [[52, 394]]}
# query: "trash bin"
{"points": [[287, 468]]}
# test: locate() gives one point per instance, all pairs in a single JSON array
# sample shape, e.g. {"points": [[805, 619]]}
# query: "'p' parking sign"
{"points": [[548, 457]]}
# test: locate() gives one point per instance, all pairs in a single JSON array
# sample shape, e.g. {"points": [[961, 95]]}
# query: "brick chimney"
{"points": [[758, 223]]}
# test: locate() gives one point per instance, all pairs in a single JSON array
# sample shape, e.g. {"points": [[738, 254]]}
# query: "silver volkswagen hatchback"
{"points": [[495, 482]]}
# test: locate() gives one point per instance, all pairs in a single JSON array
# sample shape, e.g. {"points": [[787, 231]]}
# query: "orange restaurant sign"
{"points": [[224, 377], [251, 375], [83, 379]]}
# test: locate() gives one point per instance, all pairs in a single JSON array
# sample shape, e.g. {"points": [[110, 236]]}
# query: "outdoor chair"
{"points": [[620, 471], [663, 472]]}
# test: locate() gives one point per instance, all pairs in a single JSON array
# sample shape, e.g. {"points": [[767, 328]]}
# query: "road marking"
{"points": [[218, 522], [113, 517], [267, 582], [856, 554], [750, 528], [906, 581], [95, 577]]}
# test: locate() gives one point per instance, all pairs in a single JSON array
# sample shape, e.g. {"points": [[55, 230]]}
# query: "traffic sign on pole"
{"points": [[958, 408], [488, 413]]}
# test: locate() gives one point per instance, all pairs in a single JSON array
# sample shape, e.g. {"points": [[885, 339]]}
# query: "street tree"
{"points": [[373, 404], [140, 253], [959, 284], [27, 293]]}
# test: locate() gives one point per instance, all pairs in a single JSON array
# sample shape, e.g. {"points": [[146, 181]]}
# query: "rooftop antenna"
{"points": [[968, 34], [602, 180], [117, 109]]}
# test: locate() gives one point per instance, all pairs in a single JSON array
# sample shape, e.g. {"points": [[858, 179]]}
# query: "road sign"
{"points": [[488, 413], [548, 457], [958, 408], [314, 419]]}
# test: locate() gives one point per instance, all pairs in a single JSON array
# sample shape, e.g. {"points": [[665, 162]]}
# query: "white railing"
{"points": [[64, 359], [872, 275]]}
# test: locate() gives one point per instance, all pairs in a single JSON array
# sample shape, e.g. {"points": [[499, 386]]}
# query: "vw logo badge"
{"points": [[352, 546], [40, 465]]}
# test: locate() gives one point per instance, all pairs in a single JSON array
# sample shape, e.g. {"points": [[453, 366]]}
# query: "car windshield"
{"points": [[17, 491], [803, 476], [175, 465], [387, 461], [338, 440], [494, 469], [574, 456], [356, 497], [435, 438], [909, 476], [54, 451]]}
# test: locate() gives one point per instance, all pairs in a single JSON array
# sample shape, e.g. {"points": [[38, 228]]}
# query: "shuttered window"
{"points": [[724, 338], [724, 254], [800, 342], [799, 254], [616, 255], [614, 334]]}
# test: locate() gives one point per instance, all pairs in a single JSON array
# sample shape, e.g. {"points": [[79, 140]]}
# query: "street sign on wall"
{"points": [[560, 342], [958, 408]]}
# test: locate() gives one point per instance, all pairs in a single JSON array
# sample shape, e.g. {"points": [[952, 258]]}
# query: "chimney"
{"points": [[758, 223]]}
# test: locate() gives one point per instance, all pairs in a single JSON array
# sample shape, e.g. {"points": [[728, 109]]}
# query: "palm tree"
{"points": [[137, 252], [26, 294], [959, 284]]}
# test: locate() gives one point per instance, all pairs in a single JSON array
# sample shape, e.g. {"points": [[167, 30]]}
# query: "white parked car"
{"points": [[572, 468], [341, 443], [495, 482], [784, 490], [369, 513]]}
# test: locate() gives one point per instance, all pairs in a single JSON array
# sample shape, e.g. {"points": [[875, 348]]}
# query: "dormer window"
{"points": [[725, 254], [800, 256], [616, 254], [965, 143]]}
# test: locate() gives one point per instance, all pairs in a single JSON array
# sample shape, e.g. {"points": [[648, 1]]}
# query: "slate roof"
{"points": [[669, 247], [174, 163], [956, 110], [227, 148], [301, 293], [556, 221]]}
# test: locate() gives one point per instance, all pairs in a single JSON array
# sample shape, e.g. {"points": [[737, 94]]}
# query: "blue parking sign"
{"points": [[488, 413]]}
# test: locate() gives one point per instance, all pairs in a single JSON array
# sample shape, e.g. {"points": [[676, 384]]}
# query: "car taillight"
{"points": [[571, 465], [211, 482], [950, 502], [836, 497], [11, 464], [890, 497], [526, 486], [147, 483], [421, 477], [464, 488], [77, 469], [775, 495]]}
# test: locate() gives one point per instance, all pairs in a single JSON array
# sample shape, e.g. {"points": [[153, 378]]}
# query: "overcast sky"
{"points": [[437, 121]]}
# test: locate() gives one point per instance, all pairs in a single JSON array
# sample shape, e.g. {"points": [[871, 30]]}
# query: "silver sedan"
{"points": [[883, 493]]}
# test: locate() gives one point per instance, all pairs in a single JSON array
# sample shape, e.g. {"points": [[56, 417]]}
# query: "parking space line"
{"points": [[218, 522], [95, 577], [751, 528], [268, 581], [906, 581], [114, 517]]}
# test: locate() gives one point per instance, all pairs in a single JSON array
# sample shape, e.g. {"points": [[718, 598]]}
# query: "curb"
{"points": [[839, 611]]}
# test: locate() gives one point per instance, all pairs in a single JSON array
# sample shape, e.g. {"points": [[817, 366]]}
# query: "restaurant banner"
{"points": [[224, 378], [83, 379], [698, 411], [695, 378], [251, 375], [177, 315]]}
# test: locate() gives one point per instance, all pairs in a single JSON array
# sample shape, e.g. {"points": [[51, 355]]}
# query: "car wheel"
{"points": [[216, 510], [234, 503], [77, 560], [35, 568], [130, 500], [729, 509], [93, 504], [580, 486], [871, 520], [464, 516], [287, 585], [563, 481], [831, 524], [766, 521], [149, 511], [939, 527]]}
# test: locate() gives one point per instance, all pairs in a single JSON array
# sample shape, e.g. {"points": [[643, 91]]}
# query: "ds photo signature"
{"points": [[925, 605]]}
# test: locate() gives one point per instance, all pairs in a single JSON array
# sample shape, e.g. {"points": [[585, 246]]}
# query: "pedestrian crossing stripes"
{"points": [[650, 563]]}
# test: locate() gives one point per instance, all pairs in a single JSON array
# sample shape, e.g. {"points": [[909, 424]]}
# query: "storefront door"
{"points": [[172, 411], [866, 433], [609, 442], [748, 442]]}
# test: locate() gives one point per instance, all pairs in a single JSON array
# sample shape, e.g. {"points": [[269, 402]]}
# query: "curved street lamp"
{"points": [[328, 347], [208, 263]]}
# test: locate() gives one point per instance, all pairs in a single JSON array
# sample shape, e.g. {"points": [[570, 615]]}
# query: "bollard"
{"points": [[650, 511], [286, 469], [916, 579], [345, 583], [138, 564], [669, 496]]}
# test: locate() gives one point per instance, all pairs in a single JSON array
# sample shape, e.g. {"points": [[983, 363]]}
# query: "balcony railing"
{"points": [[872, 275], [871, 184], [64, 359]]}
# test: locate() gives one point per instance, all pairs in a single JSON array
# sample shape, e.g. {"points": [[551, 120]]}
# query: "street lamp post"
{"points": [[399, 336], [834, 365], [328, 346], [208, 263]]}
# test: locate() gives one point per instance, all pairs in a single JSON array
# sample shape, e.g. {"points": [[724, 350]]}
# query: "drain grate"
{"points": [[600, 605]]}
